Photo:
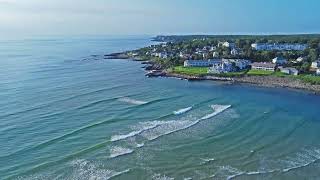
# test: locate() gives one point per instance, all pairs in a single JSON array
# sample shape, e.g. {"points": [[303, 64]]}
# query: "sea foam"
{"points": [[169, 127], [131, 101], [144, 126], [84, 169], [119, 151], [182, 111]]}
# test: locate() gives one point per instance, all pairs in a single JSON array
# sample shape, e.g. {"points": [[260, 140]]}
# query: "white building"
{"points": [[318, 72], [315, 64], [281, 47], [279, 60], [263, 66], [161, 54], [201, 63], [234, 52], [223, 67], [240, 63], [291, 71], [229, 65], [215, 54], [300, 59], [228, 45]]}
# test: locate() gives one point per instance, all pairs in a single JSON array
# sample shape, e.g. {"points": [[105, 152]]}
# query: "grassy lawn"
{"points": [[254, 72], [309, 78], [232, 74], [280, 74], [194, 71]]}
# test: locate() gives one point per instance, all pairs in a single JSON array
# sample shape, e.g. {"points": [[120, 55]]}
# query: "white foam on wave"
{"points": [[144, 126], [84, 169], [182, 111], [217, 109], [169, 127], [299, 160], [131, 101], [161, 177], [119, 151], [231, 172], [207, 160], [302, 159], [140, 145], [152, 130], [124, 136]]}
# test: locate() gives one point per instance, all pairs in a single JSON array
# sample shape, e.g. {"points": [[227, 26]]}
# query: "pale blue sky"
{"points": [[131, 17]]}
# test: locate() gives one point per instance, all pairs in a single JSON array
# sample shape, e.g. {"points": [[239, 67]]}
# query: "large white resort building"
{"points": [[201, 63], [275, 46], [263, 66], [219, 65]]}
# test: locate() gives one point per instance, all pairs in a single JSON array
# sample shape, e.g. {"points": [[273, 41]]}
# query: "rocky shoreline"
{"points": [[155, 70], [263, 81]]}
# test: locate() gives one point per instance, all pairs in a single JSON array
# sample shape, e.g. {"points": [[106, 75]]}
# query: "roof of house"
{"points": [[279, 59], [263, 64]]}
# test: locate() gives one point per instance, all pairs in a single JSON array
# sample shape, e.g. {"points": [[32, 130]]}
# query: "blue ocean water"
{"points": [[67, 113]]}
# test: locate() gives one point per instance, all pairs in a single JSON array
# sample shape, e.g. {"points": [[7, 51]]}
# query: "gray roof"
{"points": [[263, 64]]}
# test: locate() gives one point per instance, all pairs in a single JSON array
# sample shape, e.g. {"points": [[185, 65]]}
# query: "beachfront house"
{"points": [[239, 63], [315, 64], [223, 67], [279, 60], [289, 70], [266, 66], [201, 63], [229, 65]]}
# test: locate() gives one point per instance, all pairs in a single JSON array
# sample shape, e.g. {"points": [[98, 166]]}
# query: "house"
{"points": [[280, 47], [212, 48], [234, 52], [215, 55], [229, 65], [201, 63], [300, 59], [223, 67], [279, 60], [263, 66], [239, 63], [291, 71], [315, 64], [228, 45]]}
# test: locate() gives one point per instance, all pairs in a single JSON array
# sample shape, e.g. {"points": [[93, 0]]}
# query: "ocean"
{"points": [[67, 113]]}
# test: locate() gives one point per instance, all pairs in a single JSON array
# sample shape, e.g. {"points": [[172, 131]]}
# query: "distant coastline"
{"points": [[156, 68]]}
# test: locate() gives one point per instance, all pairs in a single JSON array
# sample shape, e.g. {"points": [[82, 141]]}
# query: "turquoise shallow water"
{"points": [[65, 114]]}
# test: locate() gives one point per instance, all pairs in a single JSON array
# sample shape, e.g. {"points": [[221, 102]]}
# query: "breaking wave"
{"points": [[302, 159], [161, 177], [206, 160], [182, 111], [84, 169], [217, 109], [131, 101], [119, 151], [170, 127], [144, 127]]}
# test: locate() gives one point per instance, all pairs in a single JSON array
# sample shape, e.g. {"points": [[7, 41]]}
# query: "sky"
{"points": [[153, 17]]}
